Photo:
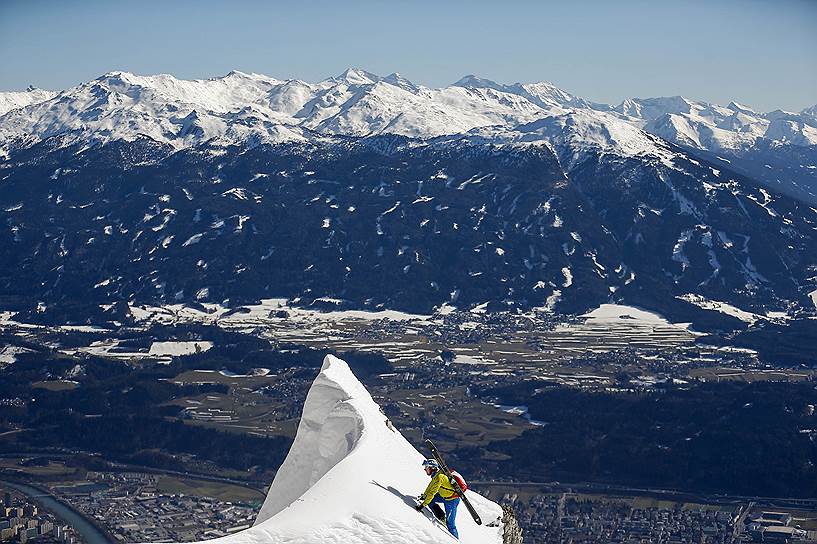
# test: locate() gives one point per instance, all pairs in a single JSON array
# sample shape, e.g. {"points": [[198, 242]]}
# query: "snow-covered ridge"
{"points": [[350, 478], [253, 108], [11, 100], [712, 127]]}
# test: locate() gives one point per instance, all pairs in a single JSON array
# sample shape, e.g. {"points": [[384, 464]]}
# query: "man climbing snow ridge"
{"points": [[440, 490]]}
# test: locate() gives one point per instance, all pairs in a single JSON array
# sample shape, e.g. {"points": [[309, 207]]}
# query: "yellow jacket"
{"points": [[439, 484]]}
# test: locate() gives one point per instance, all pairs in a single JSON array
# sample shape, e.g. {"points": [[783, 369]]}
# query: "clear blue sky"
{"points": [[762, 53]]}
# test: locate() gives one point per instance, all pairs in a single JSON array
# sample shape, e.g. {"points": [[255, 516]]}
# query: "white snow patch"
{"points": [[8, 354], [552, 300], [262, 311], [465, 359], [195, 239], [568, 277], [445, 309], [620, 311], [480, 308], [611, 314], [678, 250], [254, 373], [393, 208], [722, 307], [520, 410], [162, 349]]}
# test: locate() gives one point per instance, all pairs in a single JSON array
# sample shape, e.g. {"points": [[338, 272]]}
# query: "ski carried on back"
{"points": [[437, 457]]}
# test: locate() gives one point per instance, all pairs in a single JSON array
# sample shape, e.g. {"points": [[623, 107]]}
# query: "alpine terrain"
{"points": [[375, 192]]}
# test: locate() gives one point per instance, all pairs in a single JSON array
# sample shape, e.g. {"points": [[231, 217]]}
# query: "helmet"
{"points": [[431, 463]]}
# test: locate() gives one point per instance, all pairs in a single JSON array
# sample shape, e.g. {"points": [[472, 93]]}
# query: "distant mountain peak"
{"points": [[471, 80], [399, 81], [812, 111], [239, 75], [358, 76], [115, 74], [738, 107]]}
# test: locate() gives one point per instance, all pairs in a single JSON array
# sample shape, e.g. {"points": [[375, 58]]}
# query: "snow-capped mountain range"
{"points": [[388, 194], [242, 107]]}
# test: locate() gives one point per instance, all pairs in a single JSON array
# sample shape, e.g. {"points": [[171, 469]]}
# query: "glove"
{"points": [[419, 507]]}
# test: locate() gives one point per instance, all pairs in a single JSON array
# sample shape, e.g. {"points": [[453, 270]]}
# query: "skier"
{"points": [[440, 490]]}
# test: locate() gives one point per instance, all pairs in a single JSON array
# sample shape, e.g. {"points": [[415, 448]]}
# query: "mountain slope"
{"points": [[350, 478], [389, 222]]}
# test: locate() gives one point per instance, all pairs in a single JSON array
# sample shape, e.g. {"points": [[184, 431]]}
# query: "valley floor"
{"points": [[483, 385]]}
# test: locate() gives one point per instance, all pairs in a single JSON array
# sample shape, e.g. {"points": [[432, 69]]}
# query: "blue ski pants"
{"points": [[450, 513]]}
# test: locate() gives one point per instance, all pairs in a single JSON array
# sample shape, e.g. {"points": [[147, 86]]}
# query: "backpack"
{"points": [[459, 480]]}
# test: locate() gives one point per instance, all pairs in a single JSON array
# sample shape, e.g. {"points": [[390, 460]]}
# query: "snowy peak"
{"points": [[740, 108], [356, 76], [792, 131], [231, 92], [648, 109], [332, 423], [548, 95], [810, 112], [543, 94], [399, 81], [350, 474], [477, 83]]}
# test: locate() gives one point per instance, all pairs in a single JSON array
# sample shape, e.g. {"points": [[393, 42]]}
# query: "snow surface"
{"points": [[295, 313], [612, 315], [620, 311], [8, 354], [520, 410], [178, 348], [11, 100], [263, 311], [722, 307], [350, 478]]}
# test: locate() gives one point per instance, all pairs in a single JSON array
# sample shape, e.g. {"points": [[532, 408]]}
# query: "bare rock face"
{"points": [[511, 531]]}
